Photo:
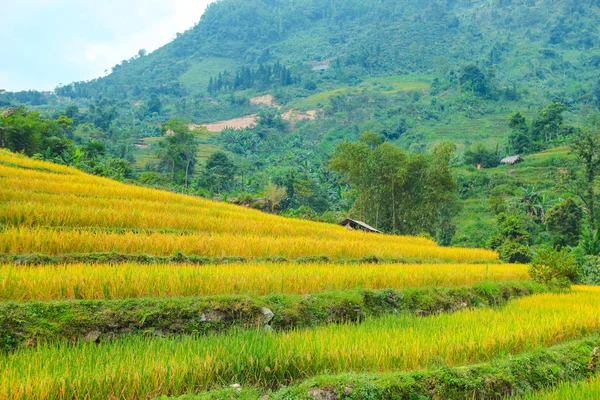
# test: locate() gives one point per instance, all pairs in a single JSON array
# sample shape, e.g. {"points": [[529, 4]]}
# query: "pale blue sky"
{"points": [[47, 42]]}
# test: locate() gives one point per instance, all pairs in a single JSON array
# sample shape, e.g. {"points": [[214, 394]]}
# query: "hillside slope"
{"points": [[548, 43]]}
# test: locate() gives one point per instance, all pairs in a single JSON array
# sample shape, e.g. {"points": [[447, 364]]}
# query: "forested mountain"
{"points": [[549, 47]]}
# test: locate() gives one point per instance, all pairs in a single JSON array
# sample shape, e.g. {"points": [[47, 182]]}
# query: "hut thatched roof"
{"points": [[512, 160]]}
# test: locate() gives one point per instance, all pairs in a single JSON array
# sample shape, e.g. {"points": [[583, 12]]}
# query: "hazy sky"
{"points": [[47, 42]]}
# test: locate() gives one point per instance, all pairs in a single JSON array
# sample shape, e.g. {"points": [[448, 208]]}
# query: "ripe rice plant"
{"points": [[145, 367], [55, 242], [589, 390], [133, 280], [41, 202]]}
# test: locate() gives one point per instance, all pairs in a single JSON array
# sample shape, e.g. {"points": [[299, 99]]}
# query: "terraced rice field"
{"points": [[124, 330], [81, 281], [175, 366], [53, 210]]}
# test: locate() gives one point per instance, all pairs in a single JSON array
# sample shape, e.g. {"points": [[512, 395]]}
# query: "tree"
{"points": [[177, 150], [552, 267], [475, 81], [520, 140], [118, 169], [90, 132], [219, 171], [66, 124], [303, 190], [397, 192], [480, 155], [395, 130], [154, 104], [549, 123], [517, 122], [29, 133], [72, 112], [597, 93], [275, 194], [19, 132], [582, 181], [534, 203], [564, 223], [511, 238]]}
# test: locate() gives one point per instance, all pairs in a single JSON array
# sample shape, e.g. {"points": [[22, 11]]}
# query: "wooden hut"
{"points": [[352, 225], [512, 160]]}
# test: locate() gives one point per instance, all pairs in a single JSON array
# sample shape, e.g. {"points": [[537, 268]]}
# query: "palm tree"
{"points": [[534, 203]]}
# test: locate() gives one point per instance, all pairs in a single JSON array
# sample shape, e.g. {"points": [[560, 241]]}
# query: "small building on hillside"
{"points": [[320, 68], [353, 225], [512, 160]]}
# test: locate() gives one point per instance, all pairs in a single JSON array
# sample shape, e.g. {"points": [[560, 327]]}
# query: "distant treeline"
{"points": [[31, 97], [247, 78]]}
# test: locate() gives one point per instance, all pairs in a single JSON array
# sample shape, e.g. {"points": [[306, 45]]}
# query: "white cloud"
{"points": [[160, 21], [98, 35]]}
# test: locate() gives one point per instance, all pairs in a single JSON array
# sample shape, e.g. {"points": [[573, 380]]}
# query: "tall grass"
{"points": [[133, 280], [55, 242], [588, 390], [140, 368], [36, 197]]}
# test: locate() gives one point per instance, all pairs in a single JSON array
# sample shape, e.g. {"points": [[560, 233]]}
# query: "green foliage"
{"points": [[473, 80], [264, 77], [589, 271], [480, 155], [118, 169], [397, 192], [520, 140], [176, 151], [151, 178], [589, 243], [549, 123], [564, 223], [219, 172], [29, 133], [154, 104], [553, 267], [305, 212], [497, 205], [511, 238], [582, 181], [513, 251]]}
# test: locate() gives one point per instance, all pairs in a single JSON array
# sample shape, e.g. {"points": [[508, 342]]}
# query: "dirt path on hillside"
{"points": [[251, 120]]}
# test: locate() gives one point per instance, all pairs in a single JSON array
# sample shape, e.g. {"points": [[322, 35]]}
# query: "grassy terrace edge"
{"points": [[179, 258], [583, 390], [26, 324], [501, 378]]}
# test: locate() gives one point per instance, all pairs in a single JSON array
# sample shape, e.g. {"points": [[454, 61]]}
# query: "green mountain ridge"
{"points": [[546, 47]]}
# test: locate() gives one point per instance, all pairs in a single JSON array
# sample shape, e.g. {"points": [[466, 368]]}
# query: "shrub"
{"points": [[589, 271], [554, 268], [564, 223], [514, 252]]}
